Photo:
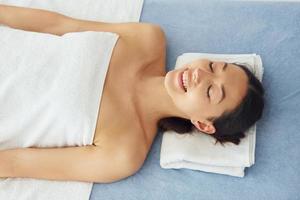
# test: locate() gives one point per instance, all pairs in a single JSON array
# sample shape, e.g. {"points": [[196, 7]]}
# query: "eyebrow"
{"points": [[222, 86]]}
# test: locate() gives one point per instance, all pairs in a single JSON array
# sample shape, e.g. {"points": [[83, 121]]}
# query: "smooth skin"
{"points": [[131, 105]]}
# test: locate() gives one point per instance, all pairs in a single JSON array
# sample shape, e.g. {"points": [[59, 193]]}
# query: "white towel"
{"points": [[51, 86], [198, 151]]}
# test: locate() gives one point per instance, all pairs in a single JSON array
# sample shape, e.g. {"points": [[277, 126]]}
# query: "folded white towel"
{"points": [[198, 151], [51, 86]]}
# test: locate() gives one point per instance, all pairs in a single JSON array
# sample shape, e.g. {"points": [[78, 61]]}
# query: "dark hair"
{"points": [[230, 126]]}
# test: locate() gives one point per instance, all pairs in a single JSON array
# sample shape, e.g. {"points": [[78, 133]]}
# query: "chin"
{"points": [[168, 82]]}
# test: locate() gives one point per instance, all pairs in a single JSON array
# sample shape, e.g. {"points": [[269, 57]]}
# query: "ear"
{"points": [[204, 126]]}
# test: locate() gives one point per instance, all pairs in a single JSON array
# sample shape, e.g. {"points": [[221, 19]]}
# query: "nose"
{"points": [[199, 74]]}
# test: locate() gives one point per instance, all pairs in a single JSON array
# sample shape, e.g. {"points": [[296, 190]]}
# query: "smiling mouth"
{"points": [[180, 81], [185, 81]]}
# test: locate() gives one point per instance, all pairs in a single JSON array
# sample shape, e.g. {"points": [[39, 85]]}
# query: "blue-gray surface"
{"points": [[270, 29]]}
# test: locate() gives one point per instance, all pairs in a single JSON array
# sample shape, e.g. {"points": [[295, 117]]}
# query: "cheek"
{"points": [[198, 95], [195, 102]]}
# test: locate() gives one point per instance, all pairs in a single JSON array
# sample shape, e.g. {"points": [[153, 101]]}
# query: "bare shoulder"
{"points": [[154, 35], [142, 45], [147, 40], [155, 40], [152, 47]]}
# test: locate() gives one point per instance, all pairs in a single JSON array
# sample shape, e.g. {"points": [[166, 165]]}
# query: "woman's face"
{"points": [[211, 88]]}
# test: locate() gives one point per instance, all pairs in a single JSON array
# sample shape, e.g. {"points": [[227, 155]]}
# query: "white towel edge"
{"points": [[227, 170]]}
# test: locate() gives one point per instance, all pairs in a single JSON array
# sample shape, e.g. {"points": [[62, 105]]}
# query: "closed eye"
{"points": [[208, 91], [210, 66], [212, 70]]}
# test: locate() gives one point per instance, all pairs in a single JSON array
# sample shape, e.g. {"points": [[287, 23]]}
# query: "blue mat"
{"points": [[270, 29]]}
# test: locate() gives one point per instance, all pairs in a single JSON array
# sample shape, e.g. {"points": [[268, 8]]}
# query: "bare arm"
{"points": [[30, 19], [40, 20], [145, 38], [87, 163]]}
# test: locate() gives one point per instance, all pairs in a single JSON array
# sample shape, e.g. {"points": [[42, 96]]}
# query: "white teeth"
{"points": [[185, 80], [182, 82]]}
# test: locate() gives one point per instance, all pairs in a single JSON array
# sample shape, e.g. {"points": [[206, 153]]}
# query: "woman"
{"points": [[139, 96]]}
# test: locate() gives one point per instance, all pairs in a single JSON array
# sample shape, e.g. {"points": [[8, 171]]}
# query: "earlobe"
{"points": [[205, 127], [211, 129]]}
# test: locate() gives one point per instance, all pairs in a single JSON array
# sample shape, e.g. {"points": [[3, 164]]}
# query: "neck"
{"points": [[153, 101]]}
